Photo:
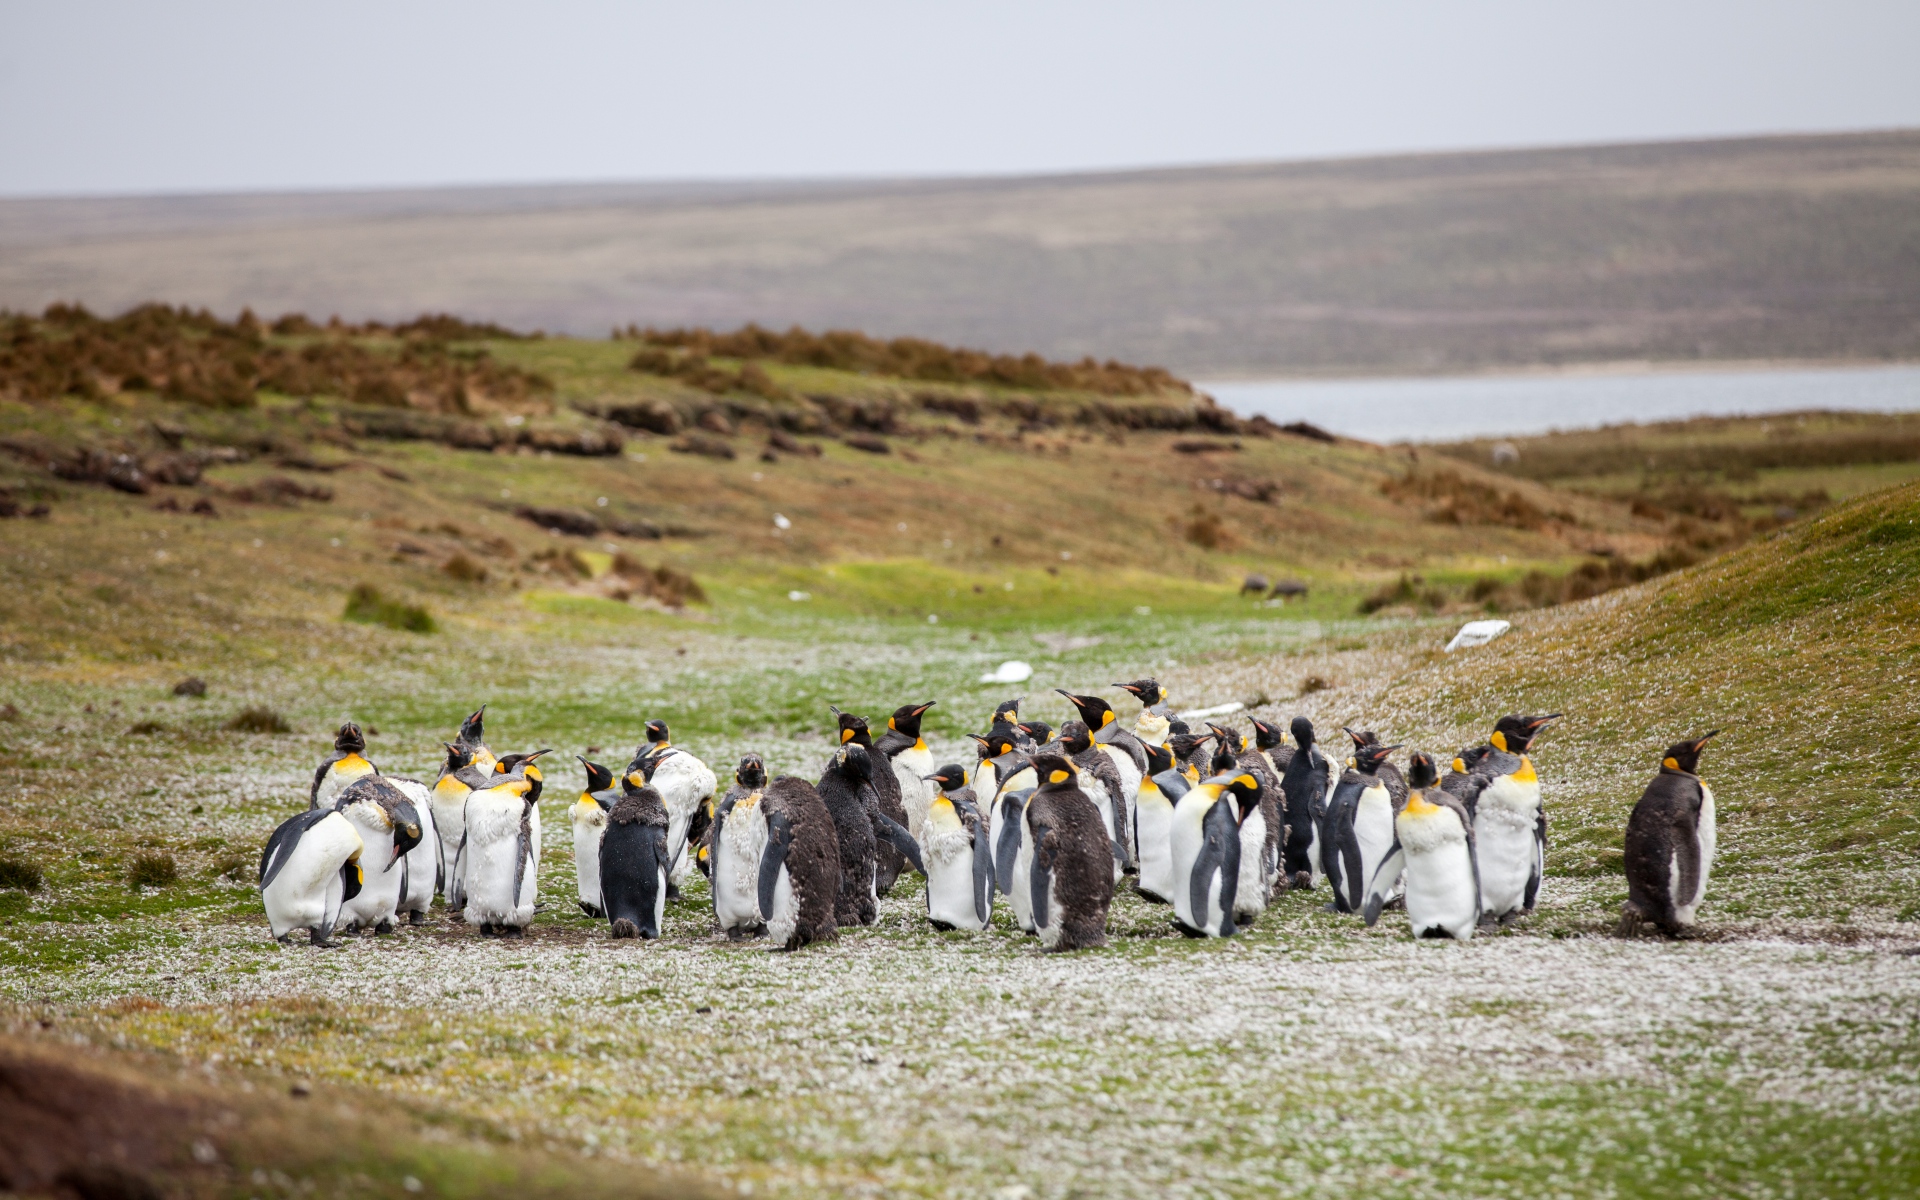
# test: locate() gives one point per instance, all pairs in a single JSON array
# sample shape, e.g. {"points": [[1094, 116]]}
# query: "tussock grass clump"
{"points": [[464, 569], [146, 729], [1451, 499], [366, 605], [19, 875], [156, 869], [258, 719], [675, 589], [193, 687]]}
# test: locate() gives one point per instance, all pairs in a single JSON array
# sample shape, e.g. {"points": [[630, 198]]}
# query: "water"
{"points": [[1422, 410]]}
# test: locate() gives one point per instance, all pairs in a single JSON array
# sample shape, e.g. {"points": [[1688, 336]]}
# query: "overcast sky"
{"points": [[135, 97]]}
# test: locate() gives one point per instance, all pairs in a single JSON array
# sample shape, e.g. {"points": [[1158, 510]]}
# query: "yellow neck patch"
{"points": [[1460, 765], [846, 735], [1526, 774], [1418, 805], [1499, 740], [352, 764], [919, 743], [1106, 718]]}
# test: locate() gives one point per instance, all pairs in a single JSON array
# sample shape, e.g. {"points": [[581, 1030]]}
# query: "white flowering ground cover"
{"points": [[1775, 1055]]}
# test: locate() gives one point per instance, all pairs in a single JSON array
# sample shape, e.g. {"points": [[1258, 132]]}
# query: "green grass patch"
{"points": [[367, 605]]}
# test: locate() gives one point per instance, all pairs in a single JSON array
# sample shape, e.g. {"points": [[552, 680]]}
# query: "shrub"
{"points": [[465, 569], [1206, 530], [19, 875], [147, 728], [154, 870], [366, 605], [193, 687], [1404, 590], [675, 589], [258, 720]]}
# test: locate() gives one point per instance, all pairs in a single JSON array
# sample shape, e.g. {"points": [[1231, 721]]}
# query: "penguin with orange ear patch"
{"points": [[1509, 822], [1071, 877], [1670, 843]]}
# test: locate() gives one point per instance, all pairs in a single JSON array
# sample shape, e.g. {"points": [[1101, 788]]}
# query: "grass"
{"points": [[366, 605]]}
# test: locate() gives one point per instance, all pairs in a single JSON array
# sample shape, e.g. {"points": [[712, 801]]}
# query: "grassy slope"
{"points": [[1803, 647]]}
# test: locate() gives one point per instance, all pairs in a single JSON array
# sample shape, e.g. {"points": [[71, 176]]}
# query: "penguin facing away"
{"points": [[1509, 821], [889, 862], [958, 854], [389, 827], [912, 762], [1671, 837], [347, 763], [737, 840], [1071, 876], [634, 863], [1153, 809], [1432, 858], [1462, 782], [800, 871], [1356, 834], [1305, 787], [1206, 853], [843, 789], [589, 816], [308, 869]]}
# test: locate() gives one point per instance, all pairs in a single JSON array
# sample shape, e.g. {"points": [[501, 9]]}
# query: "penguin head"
{"points": [[1159, 759], [948, 777], [471, 729], [599, 778], [1097, 713], [1075, 738], [751, 773], [458, 758], [1368, 758], [906, 718], [1231, 740], [1178, 728], [1055, 770], [1302, 730], [1469, 758], [1265, 736], [520, 763], [1420, 771], [1361, 737], [1008, 713], [1223, 759], [1185, 745], [1039, 731], [1146, 691], [349, 740], [1241, 786], [406, 828], [852, 729], [1514, 733], [1685, 756], [853, 762], [657, 733], [996, 743]]}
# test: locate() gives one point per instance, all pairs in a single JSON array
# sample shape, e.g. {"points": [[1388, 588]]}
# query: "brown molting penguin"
{"points": [[845, 788], [1072, 873], [1100, 780], [1255, 761], [800, 868], [1670, 844], [888, 861]]}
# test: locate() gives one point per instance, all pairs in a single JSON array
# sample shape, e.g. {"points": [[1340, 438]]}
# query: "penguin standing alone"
{"points": [[1206, 853], [589, 814], [1670, 843], [1071, 877], [1509, 821], [737, 841], [308, 869], [634, 863], [1433, 855], [800, 871], [958, 854], [347, 763]]}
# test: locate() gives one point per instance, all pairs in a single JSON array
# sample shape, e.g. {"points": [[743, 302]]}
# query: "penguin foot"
{"points": [[942, 926], [285, 939], [1148, 896], [321, 938], [1397, 904], [624, 928], [1302, 881], [383, 929], [416, 917], [486, 929], [673, 890], [510, 931], [1187, 930]]}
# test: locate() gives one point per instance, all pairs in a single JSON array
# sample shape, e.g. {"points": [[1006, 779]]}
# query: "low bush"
{"points": [[155, 869], [258, 719], [19, 875], [366, 605]]}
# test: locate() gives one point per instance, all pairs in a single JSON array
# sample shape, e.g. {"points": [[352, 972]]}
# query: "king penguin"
{"points": [[1433, 858], [1154, 721], [459, 776], [958, 854], [1509, 822], [1160, 789], [1357, 833], [589, 814], [1128, 752], [634, 862], [684, 783], [1389, 774], [912, 762], [472, 740], [1070, 881], [888, 862], [1305, 787], [1266, 855], [736, 841], [1206, 853], [347, 763], [1100, 780], [1462, 782], [800, 871], [1670, 842], [389, 827], [308, 869], [502, 853]]}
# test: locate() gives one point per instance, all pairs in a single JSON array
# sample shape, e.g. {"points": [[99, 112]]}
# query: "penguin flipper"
{"points": [[1045, 847], [523, 849], [773, 859], [319, 777], [896, 834], [1539, 867], [1005, 847], [351, 879], [1384, 877]]}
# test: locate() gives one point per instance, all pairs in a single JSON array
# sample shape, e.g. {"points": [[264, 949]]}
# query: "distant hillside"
{"points": [[1802, 247]]}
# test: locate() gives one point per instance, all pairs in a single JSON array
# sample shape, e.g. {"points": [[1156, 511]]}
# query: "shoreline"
{"points": [[1621, 368]]}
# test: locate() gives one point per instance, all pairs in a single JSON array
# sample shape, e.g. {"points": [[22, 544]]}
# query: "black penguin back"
{"points": [[1303, 790], [1663, 833], [1072, 858], [812, 856], [633, 857]]}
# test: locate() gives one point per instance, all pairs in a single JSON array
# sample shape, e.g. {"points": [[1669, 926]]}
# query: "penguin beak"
{"points": [[394, 859]]}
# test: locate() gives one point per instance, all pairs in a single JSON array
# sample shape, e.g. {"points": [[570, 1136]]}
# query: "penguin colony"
{"points": [[1210, 824]]}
